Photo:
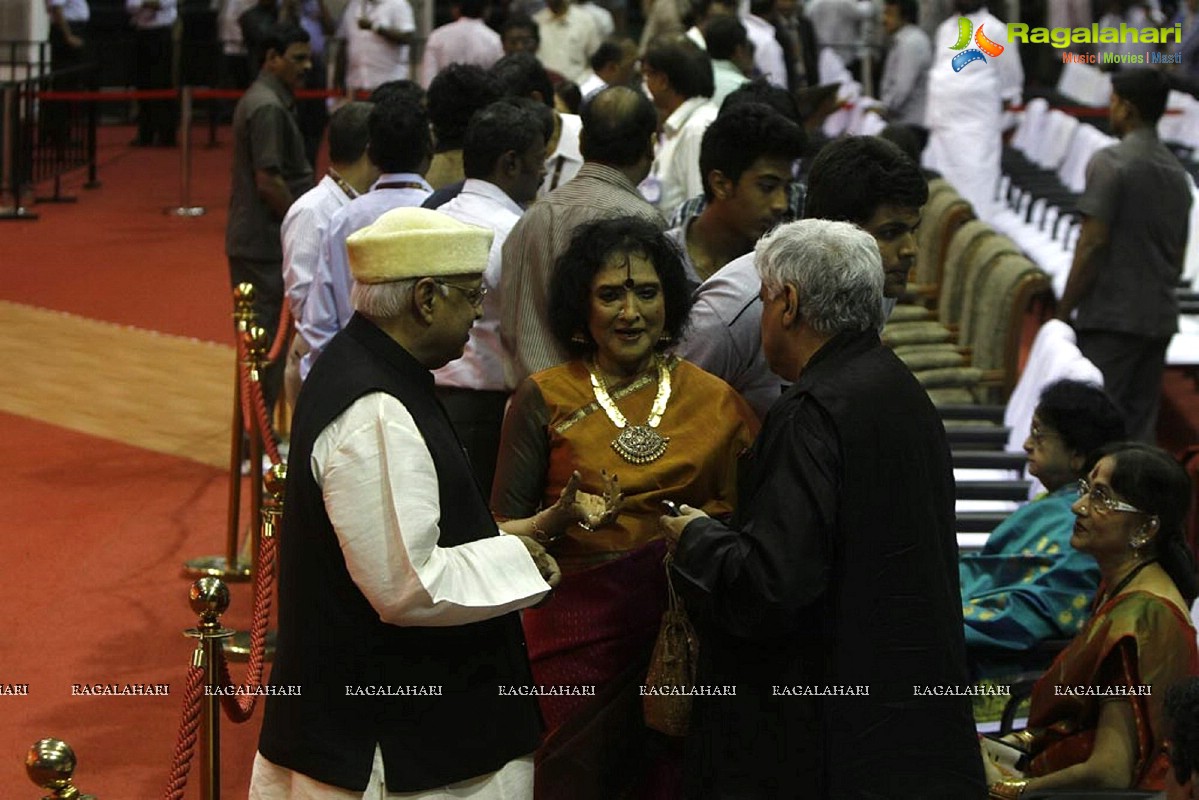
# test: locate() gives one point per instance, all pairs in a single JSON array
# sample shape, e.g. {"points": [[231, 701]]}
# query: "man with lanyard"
{"points": [[401, 148], [350, 173]]}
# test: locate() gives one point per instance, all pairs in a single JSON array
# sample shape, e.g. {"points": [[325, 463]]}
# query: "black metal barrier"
{"points": [[45, 132]]}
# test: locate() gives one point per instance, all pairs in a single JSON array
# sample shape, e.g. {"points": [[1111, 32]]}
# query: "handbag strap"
{"points": [[673, 599]]}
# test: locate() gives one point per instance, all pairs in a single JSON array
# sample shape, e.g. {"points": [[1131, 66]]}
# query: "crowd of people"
{"points": [[521, 330]]}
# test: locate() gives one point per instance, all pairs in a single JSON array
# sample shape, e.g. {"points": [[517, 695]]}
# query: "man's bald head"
{"points": [[618, 124]]}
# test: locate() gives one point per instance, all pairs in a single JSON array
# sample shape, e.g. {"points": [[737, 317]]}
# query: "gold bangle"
{"points": [[1007, 790], [1025, 739], [540, 536]]}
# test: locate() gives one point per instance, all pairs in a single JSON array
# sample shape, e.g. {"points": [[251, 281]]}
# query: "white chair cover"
{"points": [[1053, 357]]}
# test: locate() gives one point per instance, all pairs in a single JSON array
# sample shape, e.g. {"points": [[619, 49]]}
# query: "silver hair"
{"points": [[836, 268], [383, 300]]}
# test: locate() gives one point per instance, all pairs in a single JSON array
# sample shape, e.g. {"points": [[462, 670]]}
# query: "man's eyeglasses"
{"points": [[473, 296], [1103, 502]]}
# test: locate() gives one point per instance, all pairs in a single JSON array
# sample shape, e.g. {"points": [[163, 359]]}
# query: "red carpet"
{"points": [[94, 533], [114, 255]]}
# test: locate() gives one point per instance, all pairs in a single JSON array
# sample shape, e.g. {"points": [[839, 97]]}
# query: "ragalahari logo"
{"points": [[985, 47]]}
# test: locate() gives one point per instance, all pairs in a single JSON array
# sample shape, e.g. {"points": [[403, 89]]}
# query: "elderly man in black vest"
{"points": [[400, 659], [832, 601]]}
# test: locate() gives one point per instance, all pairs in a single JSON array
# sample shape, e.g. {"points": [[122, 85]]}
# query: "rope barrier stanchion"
{"points": [[50, 764], [93, 124], [185, 207], [11, 165], [202, 710], [230, 566], [240, 707], [262, 437]]}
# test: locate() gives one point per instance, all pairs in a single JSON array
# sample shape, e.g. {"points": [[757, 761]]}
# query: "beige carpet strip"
{"points": [[164, 393]]}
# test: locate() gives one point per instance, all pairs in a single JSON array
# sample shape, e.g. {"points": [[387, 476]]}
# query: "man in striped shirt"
{"points": [[617, 144]]}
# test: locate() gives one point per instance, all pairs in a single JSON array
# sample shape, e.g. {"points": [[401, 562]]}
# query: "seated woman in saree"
{"points": [[1028, 585], [1096, 717], [618, 300]]}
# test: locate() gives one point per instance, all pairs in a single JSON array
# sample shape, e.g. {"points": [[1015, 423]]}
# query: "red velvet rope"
{"points": [[240, 708], [251, 393], [173, 94], [282, 336], [189, 725]]}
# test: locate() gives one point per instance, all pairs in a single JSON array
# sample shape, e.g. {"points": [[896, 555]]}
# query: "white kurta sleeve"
{"points": [[381, 493]]}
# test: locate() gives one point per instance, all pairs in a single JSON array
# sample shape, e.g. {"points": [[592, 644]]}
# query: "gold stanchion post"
{"points": [[238, 648], [219, 566], [209, 598], [50, 764]]}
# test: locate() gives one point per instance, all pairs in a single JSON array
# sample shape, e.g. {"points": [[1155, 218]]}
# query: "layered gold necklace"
{"points": [[637, 444]]}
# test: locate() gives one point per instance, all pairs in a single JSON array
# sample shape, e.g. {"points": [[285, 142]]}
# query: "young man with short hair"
{"points": [[859, 179], [503, 156]]}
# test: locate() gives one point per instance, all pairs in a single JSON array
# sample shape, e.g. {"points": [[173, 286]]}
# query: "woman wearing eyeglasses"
{"points": [[1096, 717]]}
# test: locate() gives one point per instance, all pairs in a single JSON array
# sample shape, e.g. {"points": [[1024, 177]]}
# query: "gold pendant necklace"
{"points": [[637, 444]]}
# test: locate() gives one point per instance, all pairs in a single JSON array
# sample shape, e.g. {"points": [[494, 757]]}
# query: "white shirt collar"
{"points": [[491, 192]]}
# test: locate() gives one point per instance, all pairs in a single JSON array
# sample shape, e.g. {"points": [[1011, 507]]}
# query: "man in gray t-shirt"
{"points": [[270, 170], [1128, 259]]}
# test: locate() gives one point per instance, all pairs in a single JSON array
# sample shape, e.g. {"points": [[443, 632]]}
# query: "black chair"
{"points": [[978, 521]]}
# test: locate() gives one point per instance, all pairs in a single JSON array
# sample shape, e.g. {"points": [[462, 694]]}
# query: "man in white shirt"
{"points": [[466, 40], [377, 34], [614, 64], [678, 76], [68, 54], [523, 76], [568, 36], [965, 108], [768, 53], [732, 56], [350, 173], [602, 17], [504, 160], [401, 666], [838, 25], [905, 72], [68, 24], [153, 54], [400, 147]]}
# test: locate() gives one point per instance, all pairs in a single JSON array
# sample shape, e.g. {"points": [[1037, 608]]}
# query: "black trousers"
{"points": [[68, 65], [477, 418], [154, 55], [1132, 368]]}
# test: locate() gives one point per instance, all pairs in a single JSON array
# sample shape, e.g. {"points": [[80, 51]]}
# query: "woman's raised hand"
{"points": [[590, 510]]}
